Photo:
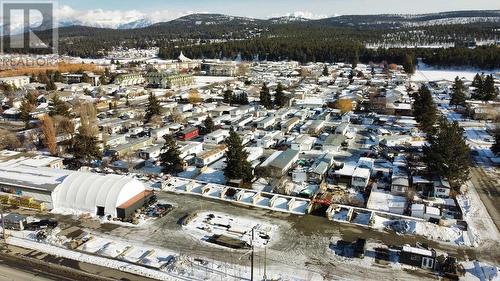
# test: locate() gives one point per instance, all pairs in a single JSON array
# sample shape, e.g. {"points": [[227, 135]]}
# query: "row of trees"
{"points": [[30, 102], [231, 98], [280, 98], [237, 165], [446, 154], [484, 87]]}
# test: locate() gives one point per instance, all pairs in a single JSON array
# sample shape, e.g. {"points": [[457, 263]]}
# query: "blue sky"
{"points": [[269, 8]]}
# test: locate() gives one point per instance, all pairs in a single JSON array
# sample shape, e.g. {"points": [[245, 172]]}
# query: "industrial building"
{"points": [[72, 191]]}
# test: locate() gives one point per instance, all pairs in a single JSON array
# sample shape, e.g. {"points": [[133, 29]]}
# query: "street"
{"points": [[488, 188]]}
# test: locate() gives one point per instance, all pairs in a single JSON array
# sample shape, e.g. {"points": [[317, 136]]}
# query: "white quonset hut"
{"points": [[95, 194], [75, 192]]}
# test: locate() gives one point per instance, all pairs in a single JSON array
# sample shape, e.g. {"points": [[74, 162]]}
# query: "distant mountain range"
{"points": [[382, 21]]}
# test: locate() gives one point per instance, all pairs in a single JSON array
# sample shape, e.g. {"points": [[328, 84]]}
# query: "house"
{"points": [[303, 143], [216, 137], [266, 122], [158, 133], [360, 178], [280, 162], [188, 133], [344, 174], [333, 143], [342, 128], [14, 221], [418, 256], [318, 170], [16, 81], [441, 188], [210, 156], [316, 127], [386, 202], [299, 175], [400, 178], [190, 148], [425, 212], [288, 125]]}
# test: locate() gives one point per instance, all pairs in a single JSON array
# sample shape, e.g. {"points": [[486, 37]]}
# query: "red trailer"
{"points": [[189, 133]]}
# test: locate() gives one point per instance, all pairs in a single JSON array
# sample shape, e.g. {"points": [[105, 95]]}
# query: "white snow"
{"points": [[475, 270], [206, 224]]}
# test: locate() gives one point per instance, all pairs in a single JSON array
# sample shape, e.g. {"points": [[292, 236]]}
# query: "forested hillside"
{"points": [[344, 38]]}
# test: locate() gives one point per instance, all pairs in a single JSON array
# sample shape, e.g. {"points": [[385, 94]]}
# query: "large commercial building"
{"points": [[167, 81]]}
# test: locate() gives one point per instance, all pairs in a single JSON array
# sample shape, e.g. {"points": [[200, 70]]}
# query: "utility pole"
{"points": [[265, 263], [3, 223], [251, 258]]}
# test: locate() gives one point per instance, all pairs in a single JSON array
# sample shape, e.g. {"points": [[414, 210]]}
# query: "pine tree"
{"points": [[447, 154], [355, 59], [265, 97], [57, 76], [51, 86], [279, 96], [228, 96], [237, 165], [325, 71], [409, 64], [170, 159], [489, 91], [58, 107], [86, 78], [478, 84], [85, 148], [209, 125], [495, 148], [243, 99], [424, 109], [153, 108], [477, 81], [458, 93]]}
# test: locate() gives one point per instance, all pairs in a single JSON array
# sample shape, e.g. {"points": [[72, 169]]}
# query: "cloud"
{"points": [[304, 15], [113, 18]]}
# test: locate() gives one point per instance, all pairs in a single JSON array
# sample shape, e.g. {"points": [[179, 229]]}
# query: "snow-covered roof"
{"points": [[35, 178], [361, 173], [183, 58], [418, 251]]}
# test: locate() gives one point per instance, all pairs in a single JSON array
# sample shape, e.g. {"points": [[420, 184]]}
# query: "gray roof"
{"points": [[39, 178], [14, 218], [285, 157], [334, 139]]}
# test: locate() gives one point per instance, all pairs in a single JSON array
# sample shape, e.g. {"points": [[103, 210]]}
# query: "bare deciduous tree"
{"points": [[176, 116], [8, 140], [194, 97], [88, 120], [49, 134]]}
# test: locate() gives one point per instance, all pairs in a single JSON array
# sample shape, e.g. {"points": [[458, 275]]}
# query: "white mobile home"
{"points": [[266, 123], [216, 137], [210, 156]]}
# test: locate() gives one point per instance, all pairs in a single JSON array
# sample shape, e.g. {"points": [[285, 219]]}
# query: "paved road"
{"points": [[488, 188], [9, 273]]}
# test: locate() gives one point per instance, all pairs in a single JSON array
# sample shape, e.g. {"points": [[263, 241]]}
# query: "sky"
{"points": [[121, 13], [270, 8]]}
